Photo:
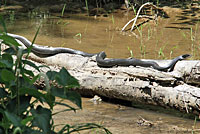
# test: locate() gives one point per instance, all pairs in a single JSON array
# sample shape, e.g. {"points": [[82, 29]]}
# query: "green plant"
{"points": [[195, 122], [131, 52], [86, 4], [161, 53], [113, 19], [149, 32], [22, 109], [12, 16], [172, 50], [157, 2], [61, 21], [142, 46], [78, 37], [192, 38], [3, 2], [63, 10], [192, 35]]}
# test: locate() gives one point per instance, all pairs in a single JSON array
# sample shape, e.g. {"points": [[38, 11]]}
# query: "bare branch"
{"points": [[138, 16]]}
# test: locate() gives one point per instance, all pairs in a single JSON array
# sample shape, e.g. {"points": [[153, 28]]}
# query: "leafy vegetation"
{"points": [[22, 105]]}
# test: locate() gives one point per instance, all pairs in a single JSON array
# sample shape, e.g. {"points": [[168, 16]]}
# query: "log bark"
{"points": [[178, 89]]}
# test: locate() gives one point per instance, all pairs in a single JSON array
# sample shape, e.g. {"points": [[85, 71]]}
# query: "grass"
{"points": [[157, 2], [63, 10], [192, 35], [193, 127], [167, 50], [86, 4], [192, 39], [161, 53], [142, 46], [113, 19], [131, 52], [78, 37], [149, 32], [172, 51], [12, 16]]}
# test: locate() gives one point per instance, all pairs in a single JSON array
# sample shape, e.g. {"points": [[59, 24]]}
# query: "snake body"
{"points": [[102, 62], [100, 58], [43, 52]]}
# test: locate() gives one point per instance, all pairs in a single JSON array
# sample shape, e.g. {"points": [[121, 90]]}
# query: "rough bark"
{"points": [[178, 89]]}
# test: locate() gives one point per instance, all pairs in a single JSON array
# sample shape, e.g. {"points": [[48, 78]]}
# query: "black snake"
{"points": [[102, 62], [43, 52], [100, 58]]}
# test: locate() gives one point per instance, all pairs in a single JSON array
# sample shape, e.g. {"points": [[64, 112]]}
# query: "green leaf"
{"points": [[26, 78], [5, 64], [31, 64], [51, 75], [25, 81], [7, 60], [42, 117], [24, 104], [13, 118], [32, 92], [69, 95], [26, 120], [29, 130], [10, 51], [3, 23], [2, 64], [29, 48], [5, 123], [3, 93], [65, 79], [7, 75], [50, 99], [28, 72], [66, 105], [34, 79], [2, 130], [37, 32], [81, 127], [9, 40]]}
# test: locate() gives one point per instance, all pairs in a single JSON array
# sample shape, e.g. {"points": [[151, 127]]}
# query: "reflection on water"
{"points": [[164, 38]]}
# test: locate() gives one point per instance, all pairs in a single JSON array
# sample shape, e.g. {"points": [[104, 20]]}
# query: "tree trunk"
{"points": [[177, 89]]}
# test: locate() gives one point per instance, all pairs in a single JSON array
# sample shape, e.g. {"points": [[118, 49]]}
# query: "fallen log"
{"points": [[178, 89]]}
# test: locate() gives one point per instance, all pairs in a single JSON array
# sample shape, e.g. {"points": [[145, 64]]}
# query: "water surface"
{"points": [[162, 39], [126, 120]]}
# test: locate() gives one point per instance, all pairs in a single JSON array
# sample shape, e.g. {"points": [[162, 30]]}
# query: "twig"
{"points": [[135, 19], [129, 23]]}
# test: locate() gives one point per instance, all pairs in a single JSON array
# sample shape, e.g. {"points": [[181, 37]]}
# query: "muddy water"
{"points": [[161, 39], [126, 120]]}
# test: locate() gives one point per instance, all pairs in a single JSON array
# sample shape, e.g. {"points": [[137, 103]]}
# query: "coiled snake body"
{"points": [[100, 58]]}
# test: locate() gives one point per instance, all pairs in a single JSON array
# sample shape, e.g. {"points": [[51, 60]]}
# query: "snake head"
{"points": [[102, 55], [185, 56]]}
